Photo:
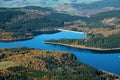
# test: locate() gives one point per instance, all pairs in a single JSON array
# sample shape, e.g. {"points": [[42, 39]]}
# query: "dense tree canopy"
{"points": [[93, 41], [46, 65]]}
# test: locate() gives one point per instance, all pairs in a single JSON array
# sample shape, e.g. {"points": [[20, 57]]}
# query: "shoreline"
{"points": [[71, 31], [19, 39], [82, 47], [86, 48], [27, 38], [110, 73]]}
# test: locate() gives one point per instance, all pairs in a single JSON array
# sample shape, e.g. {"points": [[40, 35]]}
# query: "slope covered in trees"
{"points": [[103, 32], [95, 42], [26, 22], [98, 20], [32, 64], [105, 23]]}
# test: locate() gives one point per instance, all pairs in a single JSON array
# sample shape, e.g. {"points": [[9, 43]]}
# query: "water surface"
{"points": [[108, 62]]}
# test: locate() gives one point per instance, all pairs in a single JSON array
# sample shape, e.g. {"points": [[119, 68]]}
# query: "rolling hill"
{"points": [[32, 64]]}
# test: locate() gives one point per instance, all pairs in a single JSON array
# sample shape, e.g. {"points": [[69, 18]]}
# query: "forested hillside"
{"points": [[103, 31], [95, 42], [28, 64], [105, 23], [27, 22]]}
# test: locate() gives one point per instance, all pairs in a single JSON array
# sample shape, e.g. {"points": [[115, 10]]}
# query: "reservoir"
{"points": [[103, 61]]}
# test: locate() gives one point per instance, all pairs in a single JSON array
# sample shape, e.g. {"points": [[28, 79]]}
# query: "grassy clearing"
{"points": [[7, 64]]}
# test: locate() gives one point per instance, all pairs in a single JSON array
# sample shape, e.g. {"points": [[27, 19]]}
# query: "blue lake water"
{"points": [[109, 62]]}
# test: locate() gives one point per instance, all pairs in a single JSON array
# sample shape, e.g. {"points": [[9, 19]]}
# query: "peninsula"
{"points": [[91, 42], [81, 46]]}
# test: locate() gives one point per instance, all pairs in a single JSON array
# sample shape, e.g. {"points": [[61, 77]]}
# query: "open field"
{"points": [[6, 64]]}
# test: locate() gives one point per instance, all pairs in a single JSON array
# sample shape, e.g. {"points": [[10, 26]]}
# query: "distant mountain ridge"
{"points": [[74, 7], [99, 4]]}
